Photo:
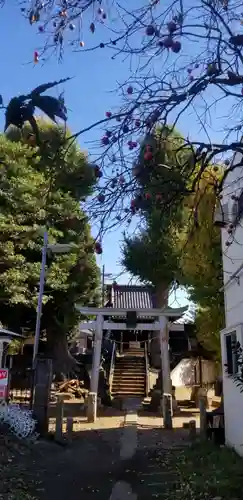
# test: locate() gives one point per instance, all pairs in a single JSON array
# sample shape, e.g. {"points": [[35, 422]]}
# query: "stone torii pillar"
{"points": [[94, 383], [165, 369]]}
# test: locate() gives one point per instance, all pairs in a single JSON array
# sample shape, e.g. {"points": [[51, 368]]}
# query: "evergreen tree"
{"points": [[42, 188]]}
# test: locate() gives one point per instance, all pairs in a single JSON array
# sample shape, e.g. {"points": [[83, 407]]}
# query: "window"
{"points": [[231, 354], [221, 215], [237, 209], [240, 207]]}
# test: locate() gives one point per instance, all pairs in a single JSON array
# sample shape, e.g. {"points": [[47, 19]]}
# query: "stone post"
{"points": [[165, 368], [167, 411], [41, 393], [94, 383], [203, 416], [59, 418], [192, 429], [69, 428], [92, 407]]}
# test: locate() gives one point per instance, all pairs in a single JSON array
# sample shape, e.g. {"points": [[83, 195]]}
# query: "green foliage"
{"points": [[180, 242], [153, 255], [203, 471], [201, 263], [41, 187]]}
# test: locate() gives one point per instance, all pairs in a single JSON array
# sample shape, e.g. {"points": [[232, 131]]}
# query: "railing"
{"points": [[112, 364], [146, 369], [20, 385]]}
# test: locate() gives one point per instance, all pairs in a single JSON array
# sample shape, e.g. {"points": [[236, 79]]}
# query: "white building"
{"points": [[232, 252]]}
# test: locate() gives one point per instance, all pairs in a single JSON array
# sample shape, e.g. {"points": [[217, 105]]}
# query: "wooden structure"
{"points": [[6, 336]]}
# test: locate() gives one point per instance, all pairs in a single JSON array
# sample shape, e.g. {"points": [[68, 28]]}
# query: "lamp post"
{"points": [[57, 248]]}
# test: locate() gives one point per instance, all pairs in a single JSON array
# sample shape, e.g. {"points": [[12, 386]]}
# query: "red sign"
{"points": [[3, 374], [3, 383]]}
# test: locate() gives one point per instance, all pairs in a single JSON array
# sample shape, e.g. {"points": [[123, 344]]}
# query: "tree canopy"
{"points": [[41, 188], [182, 244], [201, 264], [152, 254], [185, 62], [186, 67]]}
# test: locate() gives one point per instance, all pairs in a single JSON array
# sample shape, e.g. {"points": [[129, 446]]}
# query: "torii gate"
{"points": [[161, 324]]}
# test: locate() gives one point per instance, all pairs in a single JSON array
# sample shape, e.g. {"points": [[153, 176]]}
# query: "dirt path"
{"points": [[102, 463], [86, 468]]}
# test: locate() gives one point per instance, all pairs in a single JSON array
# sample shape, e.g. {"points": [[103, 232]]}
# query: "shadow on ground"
{"points": [[88, 467]]}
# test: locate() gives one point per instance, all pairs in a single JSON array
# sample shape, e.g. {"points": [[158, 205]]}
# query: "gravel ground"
{"points": [[87, 468], [93, 463]]}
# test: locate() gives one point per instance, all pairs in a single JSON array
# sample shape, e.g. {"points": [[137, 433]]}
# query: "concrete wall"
{"points": [[233, 254], [233, 294], [233, 399]]}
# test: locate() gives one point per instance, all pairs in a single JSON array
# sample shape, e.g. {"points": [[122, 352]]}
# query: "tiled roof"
{"points": [[131, 297], [135, 297]]}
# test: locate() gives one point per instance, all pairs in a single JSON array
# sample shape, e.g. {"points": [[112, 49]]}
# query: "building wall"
{"points": [[233, 294], [233, 254], [233, 400]]}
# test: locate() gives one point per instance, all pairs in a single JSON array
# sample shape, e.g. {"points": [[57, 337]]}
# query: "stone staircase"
{"points": [[129, 377]]}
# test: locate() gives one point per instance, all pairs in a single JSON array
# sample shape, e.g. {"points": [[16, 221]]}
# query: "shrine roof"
{"points": [[131, 297]]}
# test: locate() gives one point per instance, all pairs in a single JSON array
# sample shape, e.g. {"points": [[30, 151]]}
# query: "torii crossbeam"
{"points": [[162, 319]]}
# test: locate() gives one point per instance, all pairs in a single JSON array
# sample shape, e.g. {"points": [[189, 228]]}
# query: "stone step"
{"points": [[133, 378], [129, 359], [137, 357], [129, 383], [128, 392], [130, 363], [133, 352], [136, 350], [128, 386], [129, 376], [130, 369], [129, 373]]}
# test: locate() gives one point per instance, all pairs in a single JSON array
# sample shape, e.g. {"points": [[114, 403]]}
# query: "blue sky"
{"points": [[88, 96]]}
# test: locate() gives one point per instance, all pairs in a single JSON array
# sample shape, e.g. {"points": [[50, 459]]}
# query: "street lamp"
{"points": [[57, 248]]}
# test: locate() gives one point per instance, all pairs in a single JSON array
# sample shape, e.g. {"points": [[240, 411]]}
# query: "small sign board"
{"points": [[3, 383], [134, 345]]}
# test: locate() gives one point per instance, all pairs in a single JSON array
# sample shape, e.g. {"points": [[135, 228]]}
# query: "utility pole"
{"points": [[104, 275], [103, 285]]}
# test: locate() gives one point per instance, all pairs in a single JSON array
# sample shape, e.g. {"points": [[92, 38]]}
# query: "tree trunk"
{"points": [[64, 364], [161, 295], [161, 300]]}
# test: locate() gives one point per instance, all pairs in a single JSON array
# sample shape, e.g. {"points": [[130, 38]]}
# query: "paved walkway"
{"points": [[117, 458], [145, 451], [129, 442]]}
